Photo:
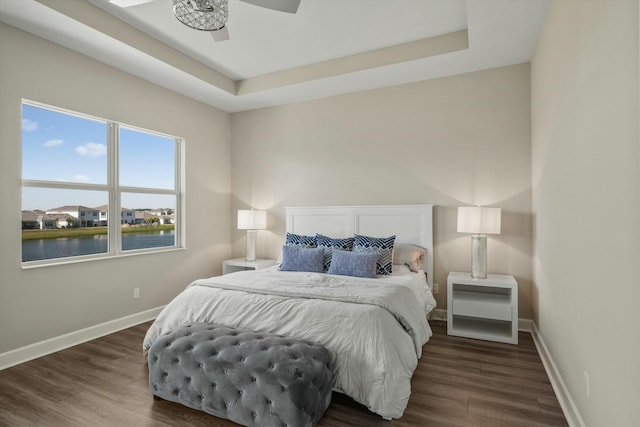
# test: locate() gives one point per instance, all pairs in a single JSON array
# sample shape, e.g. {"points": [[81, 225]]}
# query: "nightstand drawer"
{"points": [[487, 306]]}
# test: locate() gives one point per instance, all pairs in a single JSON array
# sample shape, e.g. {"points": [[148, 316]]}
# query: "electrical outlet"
{"points": [[587, 384], [435, 288], [136, 293]]}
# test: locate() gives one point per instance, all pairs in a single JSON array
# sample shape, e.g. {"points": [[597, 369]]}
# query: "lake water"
{"points": [[33, 250]]}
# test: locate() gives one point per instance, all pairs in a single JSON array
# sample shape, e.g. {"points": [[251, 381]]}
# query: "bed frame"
{"points": [[410, 224]]}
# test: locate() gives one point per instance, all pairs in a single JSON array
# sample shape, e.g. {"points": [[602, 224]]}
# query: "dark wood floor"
{"points": [[458, 382]]}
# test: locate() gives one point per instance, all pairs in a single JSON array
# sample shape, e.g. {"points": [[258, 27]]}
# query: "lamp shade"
{"points": [[252, 220], [479, 220]]}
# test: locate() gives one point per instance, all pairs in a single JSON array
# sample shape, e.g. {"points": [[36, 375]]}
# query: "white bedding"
{"points": [[360, 321]]}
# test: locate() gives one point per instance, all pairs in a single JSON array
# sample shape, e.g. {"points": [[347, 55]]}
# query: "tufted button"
{"points": [[242, 359], [215, 353], [240, 392], [224, 370], [226, 405], [187, 379], [253, 379], [214, 385], [253, 414]]}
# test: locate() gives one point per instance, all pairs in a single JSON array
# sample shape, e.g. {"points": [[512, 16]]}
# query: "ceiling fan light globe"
{"points": [[204, 15]]}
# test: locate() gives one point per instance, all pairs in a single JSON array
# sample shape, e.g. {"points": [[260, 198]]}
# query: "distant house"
{"points": [[88, 217], [127, 216], [161, 216], [30, 220], [39, 220]]}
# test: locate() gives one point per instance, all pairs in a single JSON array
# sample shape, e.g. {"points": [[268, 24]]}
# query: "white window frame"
{"points": [[114, 191]]}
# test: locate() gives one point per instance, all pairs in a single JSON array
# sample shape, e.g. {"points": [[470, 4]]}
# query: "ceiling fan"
{"points": [[212, 15]]}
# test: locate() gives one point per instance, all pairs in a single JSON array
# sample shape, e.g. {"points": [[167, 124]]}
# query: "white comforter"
{"points": [[374, 328]]}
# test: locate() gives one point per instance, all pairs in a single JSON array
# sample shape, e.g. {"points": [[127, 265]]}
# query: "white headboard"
{"points": [[409, 223]]}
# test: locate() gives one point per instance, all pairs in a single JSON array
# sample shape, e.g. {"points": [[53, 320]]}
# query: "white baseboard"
{"points": [[567, 404], [42, 348], [525, 325]]}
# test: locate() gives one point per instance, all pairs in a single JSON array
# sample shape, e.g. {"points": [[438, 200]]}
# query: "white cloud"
{"points": [[81, 178], [29, 125], [92, 149], [53, 143]]}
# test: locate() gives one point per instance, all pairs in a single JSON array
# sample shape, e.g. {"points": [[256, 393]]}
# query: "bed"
{"points": [[374, 328]]}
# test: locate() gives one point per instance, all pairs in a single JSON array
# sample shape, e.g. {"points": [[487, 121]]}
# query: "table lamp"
{"points": [[251, 220], [479, 221]]}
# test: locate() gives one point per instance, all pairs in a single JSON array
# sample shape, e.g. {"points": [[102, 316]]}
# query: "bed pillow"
{"points": [[300, 240], [383, 246], [352, 264], [330, 244], [296, 258], [410, 255]]}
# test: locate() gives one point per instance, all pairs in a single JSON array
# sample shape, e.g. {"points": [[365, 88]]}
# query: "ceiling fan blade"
{"points": [[289, 6], [220, 35], [127, 3]]}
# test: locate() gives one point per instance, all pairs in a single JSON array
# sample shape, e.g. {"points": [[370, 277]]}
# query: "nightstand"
{"points": [[485, 309], [240, 264]]}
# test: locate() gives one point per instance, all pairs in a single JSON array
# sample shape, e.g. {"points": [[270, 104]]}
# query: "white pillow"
{"points": [[410, 255]]}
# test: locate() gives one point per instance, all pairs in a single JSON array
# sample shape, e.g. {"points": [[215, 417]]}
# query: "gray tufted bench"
{"points": [[252, 378]]}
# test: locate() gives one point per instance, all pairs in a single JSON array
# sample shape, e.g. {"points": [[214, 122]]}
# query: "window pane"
{"points": [[59, 223], [146, 160], [62, 147], [148, 221]]}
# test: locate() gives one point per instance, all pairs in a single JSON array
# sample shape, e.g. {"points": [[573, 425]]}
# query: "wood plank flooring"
{"points": [[458, 382]]}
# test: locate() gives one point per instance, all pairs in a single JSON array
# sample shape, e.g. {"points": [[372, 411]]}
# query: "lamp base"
{"points": [[479, 256], [251, 246]]}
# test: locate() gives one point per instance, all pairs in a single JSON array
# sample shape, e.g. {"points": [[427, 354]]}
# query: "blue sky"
{"points": [[66, 148]]}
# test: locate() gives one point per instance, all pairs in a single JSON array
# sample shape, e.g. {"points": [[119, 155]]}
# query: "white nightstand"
{"points": [[485, 309], [240, 264]]}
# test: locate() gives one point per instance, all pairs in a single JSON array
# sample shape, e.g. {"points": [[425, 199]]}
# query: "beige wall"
{"points": [[452, 142], [586, 190], [38, 304]]}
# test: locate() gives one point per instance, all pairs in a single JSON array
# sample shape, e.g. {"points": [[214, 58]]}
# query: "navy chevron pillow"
{"points": [[300, 240], [383, 246]]}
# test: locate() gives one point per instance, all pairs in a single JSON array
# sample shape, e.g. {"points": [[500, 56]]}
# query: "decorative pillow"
{"points": [[410, 255], [382, 246], [352, 264], [330, 244], [300, 240], [296, 258]]}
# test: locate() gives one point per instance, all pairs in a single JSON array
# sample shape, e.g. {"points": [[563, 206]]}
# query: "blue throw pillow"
{"points": [[300, 240], [382, 246], [330, 244], [353, 264], [296, 258]]}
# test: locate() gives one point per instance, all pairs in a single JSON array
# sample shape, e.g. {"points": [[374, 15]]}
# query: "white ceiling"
{"points": [[262, 41]]}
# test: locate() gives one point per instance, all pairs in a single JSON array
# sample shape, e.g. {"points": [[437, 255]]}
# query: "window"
{"points": [[93, 188]]}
